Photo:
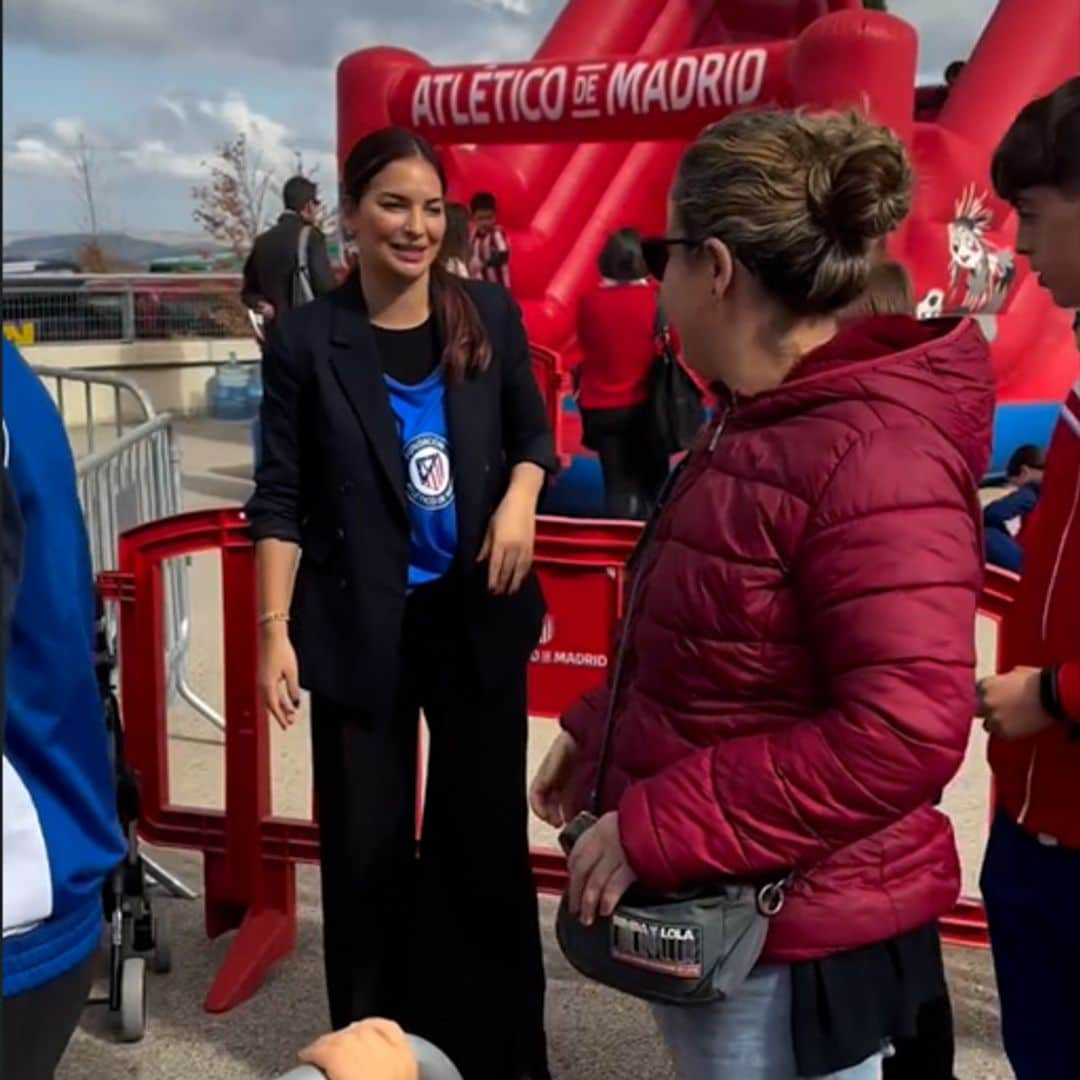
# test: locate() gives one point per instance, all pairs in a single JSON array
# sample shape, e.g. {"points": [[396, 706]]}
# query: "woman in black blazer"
{"points": [[404, 447]]}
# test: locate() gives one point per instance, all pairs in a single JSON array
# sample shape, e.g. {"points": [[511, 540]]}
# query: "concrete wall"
{"points": [[173, 374]]}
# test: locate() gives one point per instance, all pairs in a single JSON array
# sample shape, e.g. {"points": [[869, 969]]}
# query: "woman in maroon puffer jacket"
{"points": [[798, 680]]}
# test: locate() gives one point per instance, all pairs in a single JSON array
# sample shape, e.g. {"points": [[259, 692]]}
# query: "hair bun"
{"points": [[799, 197], [859, 188]]}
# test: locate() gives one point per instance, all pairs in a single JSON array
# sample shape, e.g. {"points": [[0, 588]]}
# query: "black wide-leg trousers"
{"points": [[444, 937]]}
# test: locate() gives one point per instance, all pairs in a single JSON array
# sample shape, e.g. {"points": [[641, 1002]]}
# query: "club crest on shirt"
{"points": [[429, 482]]}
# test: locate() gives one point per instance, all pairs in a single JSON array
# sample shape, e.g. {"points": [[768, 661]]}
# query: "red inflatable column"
{"points": [[865, 59], [1021, 55], [365, 84]]}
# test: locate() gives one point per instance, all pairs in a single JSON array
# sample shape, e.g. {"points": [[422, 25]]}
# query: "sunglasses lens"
{"points": [[655, 253]]}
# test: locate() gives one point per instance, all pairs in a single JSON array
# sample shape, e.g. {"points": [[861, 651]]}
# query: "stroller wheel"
{"points": [[161, 957], [133, 999]]}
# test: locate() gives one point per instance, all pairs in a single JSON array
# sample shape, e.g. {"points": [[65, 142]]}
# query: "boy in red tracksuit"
{"points": [[1031, 874]]}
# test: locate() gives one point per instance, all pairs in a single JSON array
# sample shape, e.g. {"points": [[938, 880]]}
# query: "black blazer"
{"points": [[332, 479], [268, 272]]}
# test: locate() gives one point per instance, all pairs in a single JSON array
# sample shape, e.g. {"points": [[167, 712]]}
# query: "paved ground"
{"points": [[595, 1035]]}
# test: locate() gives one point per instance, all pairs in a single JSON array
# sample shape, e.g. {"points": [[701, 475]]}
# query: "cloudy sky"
{"points": [[153, 85]]}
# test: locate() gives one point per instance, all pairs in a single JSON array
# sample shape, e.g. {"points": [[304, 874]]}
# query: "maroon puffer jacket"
{"points": [[798, 681]]}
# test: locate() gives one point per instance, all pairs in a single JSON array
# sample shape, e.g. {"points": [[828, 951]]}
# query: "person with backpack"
{"points": [[289, 264]]}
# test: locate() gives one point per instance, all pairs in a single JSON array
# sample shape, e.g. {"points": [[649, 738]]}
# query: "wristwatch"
{"points": [[1050, 698]]}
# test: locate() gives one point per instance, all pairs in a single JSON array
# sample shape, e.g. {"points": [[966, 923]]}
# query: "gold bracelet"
{"points": [[273, 616]]}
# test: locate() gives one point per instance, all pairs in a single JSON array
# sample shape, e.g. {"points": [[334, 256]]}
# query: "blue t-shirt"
{"points": [[420, 410]]}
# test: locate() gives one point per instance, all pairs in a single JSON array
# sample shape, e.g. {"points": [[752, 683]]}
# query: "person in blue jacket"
{"points": [[61, 836], [1004, 519]]}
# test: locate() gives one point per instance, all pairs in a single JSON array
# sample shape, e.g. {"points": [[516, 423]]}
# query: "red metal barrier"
{"points": [[249, 854]]}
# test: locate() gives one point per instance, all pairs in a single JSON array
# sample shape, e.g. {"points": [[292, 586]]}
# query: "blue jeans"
{"points": [[745, 1038], [1002, 550], [1032, 897]]}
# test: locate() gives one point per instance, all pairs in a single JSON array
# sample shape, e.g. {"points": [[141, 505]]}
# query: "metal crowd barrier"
{"points": [[133, 480], [249, 854], [130, 403]]}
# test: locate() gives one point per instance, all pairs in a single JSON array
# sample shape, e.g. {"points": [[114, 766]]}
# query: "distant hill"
{"points": [[119, 246]]}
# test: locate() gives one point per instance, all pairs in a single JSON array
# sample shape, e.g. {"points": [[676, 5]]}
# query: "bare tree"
{"points": [[84, 166], [91, 257], [232, 206]]}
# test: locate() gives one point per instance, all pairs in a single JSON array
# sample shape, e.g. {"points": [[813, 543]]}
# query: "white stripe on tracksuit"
{"points": [[1070, 411], [28, 896]]}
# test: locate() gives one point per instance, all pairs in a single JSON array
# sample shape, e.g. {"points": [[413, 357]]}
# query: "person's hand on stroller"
{"points": [[369, 1050]]}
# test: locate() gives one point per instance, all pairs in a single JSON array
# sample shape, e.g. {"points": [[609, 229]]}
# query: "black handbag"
{"points": [[693, 947], [676, 410]]}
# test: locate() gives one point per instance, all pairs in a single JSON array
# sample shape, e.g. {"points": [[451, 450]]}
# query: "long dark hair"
{"points": [[466, 348], [455, 243]]}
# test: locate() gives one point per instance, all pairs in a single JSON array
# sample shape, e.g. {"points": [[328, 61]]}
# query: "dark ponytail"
{"points": [[466, 347]]}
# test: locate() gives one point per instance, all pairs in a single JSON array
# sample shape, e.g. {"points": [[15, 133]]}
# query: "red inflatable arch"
{"points": [[584, 139]]}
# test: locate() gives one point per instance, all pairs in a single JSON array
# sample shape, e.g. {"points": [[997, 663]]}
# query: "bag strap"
{"points": [[302, 279], [771, 895], [636, 557], [302, 250], [661, 330]]}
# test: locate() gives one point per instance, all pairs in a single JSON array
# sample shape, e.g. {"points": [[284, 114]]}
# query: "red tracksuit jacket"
{"points": [[1038, 778]]}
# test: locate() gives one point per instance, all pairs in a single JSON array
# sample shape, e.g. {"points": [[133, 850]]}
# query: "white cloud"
{"points": [[176, 138], [145, 165], [510, 7], [68, 130], [35, 156], [281, 31], [298, 35], [156, 158], [267, 138], [173, 108]]}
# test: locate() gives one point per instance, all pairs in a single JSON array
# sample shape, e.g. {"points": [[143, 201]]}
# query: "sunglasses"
{"points": [[656, 250]]}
